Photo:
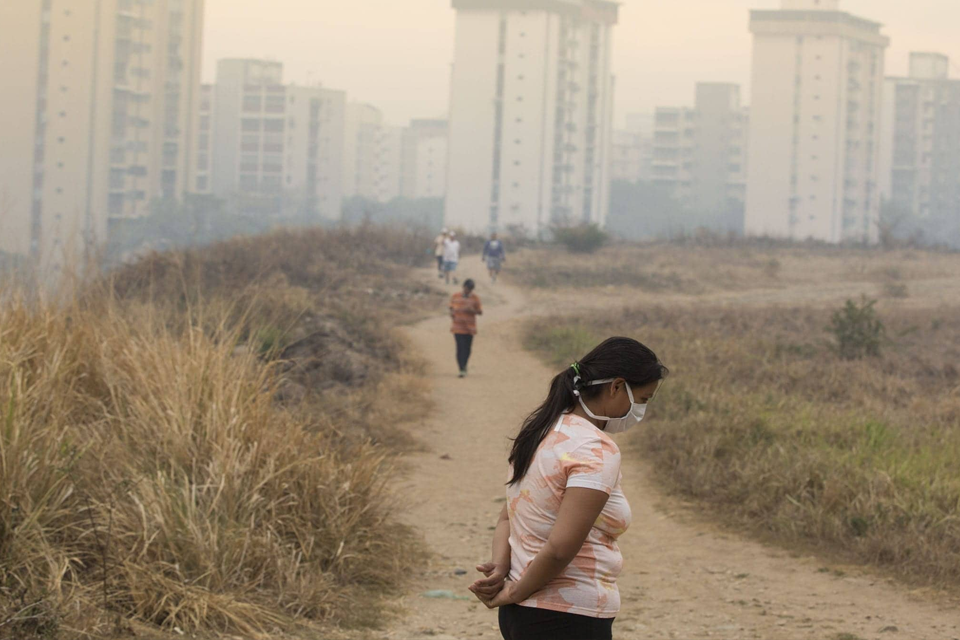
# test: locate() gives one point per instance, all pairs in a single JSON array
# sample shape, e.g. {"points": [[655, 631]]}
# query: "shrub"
{"points": [[857, 330], [772, 268], [587, 238], [896, 290]]}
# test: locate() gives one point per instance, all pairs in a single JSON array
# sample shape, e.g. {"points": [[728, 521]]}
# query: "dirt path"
{"points": [[684, 578]]}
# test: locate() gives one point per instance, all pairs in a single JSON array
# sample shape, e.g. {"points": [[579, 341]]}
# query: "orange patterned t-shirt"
{"points": [[574, 454]]}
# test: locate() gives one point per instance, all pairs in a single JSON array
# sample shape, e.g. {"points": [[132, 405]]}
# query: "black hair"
{"points": [[470, 284], [613, 358]]}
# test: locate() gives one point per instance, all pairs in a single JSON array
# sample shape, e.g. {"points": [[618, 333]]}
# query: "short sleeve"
{"points": [[593, 465]]}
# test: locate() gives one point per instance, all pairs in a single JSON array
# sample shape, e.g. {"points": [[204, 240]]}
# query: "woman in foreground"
{"points": [[555, 556]]}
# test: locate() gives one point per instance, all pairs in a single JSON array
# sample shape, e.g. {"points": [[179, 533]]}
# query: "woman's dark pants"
{"points": [[464, 347], [527, 623]]}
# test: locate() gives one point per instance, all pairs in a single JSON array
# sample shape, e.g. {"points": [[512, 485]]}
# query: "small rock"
{"points": [[889, 629], [446, 456], [459, 572]]}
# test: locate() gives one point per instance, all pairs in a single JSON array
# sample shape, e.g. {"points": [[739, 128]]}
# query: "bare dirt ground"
{"points": [[685, 577]]}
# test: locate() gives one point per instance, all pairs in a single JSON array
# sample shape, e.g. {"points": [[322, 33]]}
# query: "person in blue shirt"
{"points": [[494, 255]]}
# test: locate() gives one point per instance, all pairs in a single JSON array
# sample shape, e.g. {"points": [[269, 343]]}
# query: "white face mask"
{"points": [[615, 425]]}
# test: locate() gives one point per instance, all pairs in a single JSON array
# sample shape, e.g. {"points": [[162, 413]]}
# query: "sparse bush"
{"points": [[772, 268], [896, 290], [857, 330], [586, 238]]}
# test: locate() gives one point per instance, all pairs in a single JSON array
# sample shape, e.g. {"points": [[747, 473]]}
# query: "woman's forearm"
{"points": [[500, 555], [545, 567]]}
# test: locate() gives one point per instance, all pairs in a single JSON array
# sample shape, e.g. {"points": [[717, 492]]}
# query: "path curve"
{"points": [[684, 578]]}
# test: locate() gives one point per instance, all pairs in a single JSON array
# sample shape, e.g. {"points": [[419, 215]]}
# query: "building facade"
{"points": [[815, 122], [99, 118], [249, 134], [313, 181], [530, 114], [202, 183], [631, 156], [362, 145], [277, 149], [388, 163], [700, 154], [374, 155], [425, 159], [924, 161]]}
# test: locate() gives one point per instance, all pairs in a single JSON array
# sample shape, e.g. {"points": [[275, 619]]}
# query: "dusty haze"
{"points": [[397, 54]]}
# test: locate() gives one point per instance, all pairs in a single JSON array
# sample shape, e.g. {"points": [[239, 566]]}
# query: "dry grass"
{"points": [[697, 270], [148, 473], [763, 421]]}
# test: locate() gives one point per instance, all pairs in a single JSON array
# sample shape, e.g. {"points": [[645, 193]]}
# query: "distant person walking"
{"points": [[438, 250], [465, 306], [451, 256], [555, 564], [494, 255]]}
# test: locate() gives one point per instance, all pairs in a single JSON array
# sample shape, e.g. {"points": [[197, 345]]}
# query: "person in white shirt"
{"points": [[438, 250], [451, 257]]}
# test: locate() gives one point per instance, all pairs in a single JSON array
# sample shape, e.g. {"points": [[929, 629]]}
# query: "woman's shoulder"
{"points": [[581, 432]]}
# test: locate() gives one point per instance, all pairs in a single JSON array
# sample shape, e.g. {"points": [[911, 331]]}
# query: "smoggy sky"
{"points": [[397, 54]]}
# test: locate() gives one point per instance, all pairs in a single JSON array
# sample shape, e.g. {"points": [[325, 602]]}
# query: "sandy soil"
{"points": [[684, 578]]}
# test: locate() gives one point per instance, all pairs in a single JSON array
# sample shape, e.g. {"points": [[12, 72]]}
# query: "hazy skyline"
{"points": [[397, 55]]}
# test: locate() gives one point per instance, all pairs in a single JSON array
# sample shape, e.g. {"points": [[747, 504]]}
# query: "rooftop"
{"points": [[596, 10], [828, 17]]}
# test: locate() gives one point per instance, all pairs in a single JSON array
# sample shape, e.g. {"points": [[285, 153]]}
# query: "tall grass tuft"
{"points": [[148, 472]]}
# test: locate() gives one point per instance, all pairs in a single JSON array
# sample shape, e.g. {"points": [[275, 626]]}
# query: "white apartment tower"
{"points": [[99, 112], [250, 134], [815, 119], [362, 142], [202, 183], [923, 144], [313, 182], [530, 114], [425, 159], [275, 150], [700, 154], [372, 155]]}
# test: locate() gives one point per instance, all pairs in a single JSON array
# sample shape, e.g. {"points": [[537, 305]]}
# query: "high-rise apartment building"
{"points": [[700, 154], [362, 144], [631, 155], [388, 164], [249, 134], [530, 114], [924, 159], [373, 155], [101, 103], [202, 182], [425, 159], [313, 181], [276, 149], [815, 123]]}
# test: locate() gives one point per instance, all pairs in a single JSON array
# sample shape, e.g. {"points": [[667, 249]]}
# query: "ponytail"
{"points": [[538, 424], [614, 358]]}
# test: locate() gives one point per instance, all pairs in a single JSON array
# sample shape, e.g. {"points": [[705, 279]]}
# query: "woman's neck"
{"points": [[579, 412]]}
